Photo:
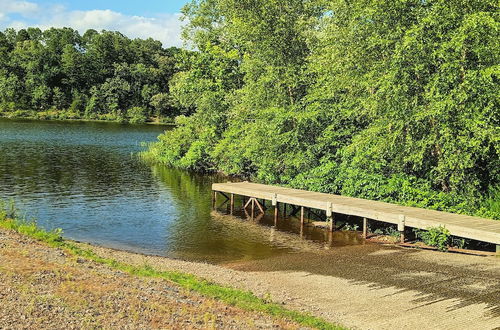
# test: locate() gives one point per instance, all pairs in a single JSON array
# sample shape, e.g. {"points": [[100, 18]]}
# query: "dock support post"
{"points": [[365, 228], [231, 208], [302, 216], [253, 207], [331, 220], [214, 204], [498, 251], [276, 214], [274, 202], [401, 227], [329, 215]]}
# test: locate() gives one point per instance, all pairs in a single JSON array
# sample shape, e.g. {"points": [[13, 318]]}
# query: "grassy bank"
{"points": [[238, 298], [74, 116]]}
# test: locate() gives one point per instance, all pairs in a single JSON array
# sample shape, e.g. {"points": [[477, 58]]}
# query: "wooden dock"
{"points": [[480, 229]]}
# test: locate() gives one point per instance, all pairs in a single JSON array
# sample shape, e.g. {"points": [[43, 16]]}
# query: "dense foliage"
{"points": [[59, 73], [388, 100]]}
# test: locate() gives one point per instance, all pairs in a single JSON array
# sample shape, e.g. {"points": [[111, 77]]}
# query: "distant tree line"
{"points": [[100, 75], [388, 100]]}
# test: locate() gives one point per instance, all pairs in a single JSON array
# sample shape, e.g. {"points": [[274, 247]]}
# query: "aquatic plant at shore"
{"points": [[438, 237]]}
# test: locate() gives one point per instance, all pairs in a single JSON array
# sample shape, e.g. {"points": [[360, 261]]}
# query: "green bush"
{"points": [[8, 107], [77, 106], [438, 237], [19, 114]]}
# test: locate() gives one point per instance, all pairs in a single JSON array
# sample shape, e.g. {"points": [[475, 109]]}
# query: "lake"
{"points": [[86, 178]]}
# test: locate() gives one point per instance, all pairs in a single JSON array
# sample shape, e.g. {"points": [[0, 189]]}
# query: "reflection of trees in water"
{"points": [[196, 234], [185, 185], [198, 231], [70, 169]]}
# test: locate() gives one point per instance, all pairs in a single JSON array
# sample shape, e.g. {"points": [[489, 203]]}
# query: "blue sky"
{"points": [[141, 8], [136, 19]]}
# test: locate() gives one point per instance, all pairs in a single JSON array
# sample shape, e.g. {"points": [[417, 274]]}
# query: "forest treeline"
{"points": [[387, 100], [58, 73]]}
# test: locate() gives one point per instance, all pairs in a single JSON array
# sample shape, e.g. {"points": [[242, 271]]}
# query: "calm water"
{"points": [[84, 178]]}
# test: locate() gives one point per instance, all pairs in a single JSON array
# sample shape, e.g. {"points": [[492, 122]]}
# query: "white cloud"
{"points": [[24, 8], [163, 27]]}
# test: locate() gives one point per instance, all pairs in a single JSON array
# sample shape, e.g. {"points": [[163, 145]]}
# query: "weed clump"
{"points": [[438, 237]]}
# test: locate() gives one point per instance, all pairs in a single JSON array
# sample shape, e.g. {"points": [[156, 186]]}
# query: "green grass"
{"points": [[66, 115], [239, 298]]}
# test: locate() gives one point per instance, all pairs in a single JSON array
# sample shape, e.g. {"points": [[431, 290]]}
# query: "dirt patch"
{"points": [[362, 286]]}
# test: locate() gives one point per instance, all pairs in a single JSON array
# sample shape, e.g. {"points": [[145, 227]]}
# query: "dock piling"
{"points": [[301, 215], [274, 202], [232, 204], [214, 200], [331, 220], [365, 228], [329, 216], [401, 227], [276, 214]]}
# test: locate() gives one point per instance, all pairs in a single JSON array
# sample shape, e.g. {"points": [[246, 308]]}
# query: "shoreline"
{"points": [[7, 115], [25, 239]]}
